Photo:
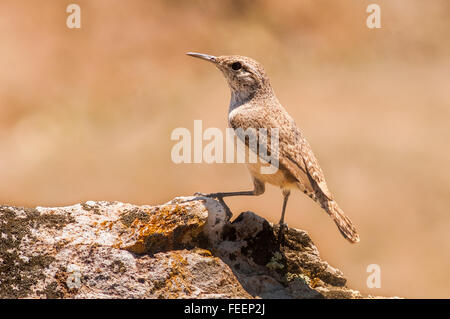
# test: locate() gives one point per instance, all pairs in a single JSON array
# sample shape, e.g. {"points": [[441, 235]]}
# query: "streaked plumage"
{"points": [[254, 105]]}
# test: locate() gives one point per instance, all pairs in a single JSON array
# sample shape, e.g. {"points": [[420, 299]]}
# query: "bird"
{"points": [[254, 105]]}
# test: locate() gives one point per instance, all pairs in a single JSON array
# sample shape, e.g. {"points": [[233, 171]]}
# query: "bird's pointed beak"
{"points": [[210, 58]]}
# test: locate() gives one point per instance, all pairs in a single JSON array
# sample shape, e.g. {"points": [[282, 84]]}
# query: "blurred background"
{"points": [[86, 114]]}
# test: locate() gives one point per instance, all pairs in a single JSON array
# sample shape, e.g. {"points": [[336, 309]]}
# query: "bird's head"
{"points": [[245, 76]]}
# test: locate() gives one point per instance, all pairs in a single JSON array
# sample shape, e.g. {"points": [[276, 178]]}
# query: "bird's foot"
{"points": [[219, 197], [210, 195], [282, 227]]}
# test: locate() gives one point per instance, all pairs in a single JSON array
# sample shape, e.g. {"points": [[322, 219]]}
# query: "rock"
{"points": [[186, 248]]}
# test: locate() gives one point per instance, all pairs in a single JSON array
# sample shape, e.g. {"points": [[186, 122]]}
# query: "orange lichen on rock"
{"points": [[161, 228]]}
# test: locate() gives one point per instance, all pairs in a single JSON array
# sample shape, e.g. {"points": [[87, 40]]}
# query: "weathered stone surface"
{"points": [[186, 248]]}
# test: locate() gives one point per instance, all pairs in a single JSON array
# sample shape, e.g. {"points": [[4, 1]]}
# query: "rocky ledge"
{"points": [[186, 248]]}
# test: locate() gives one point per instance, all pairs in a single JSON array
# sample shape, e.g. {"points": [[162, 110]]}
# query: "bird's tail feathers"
{"points": [[343, 223]]}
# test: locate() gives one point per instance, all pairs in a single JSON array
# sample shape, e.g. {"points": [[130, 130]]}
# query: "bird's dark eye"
{"points": [[236, 66]]}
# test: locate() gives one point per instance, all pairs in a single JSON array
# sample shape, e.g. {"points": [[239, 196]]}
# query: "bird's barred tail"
{"points": [[342, 222]]}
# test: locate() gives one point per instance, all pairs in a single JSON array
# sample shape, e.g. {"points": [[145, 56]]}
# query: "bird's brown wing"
{"points": [[295, 154], [298, 162], [299, 158]]}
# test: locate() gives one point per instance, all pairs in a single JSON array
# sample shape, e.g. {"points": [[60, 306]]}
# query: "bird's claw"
{"points": [[281, 231], [211, 195], [200, 194], [220, 199]]}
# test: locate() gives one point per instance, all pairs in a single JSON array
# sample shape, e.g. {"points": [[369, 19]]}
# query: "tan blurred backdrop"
{"points": [[87, 115]]}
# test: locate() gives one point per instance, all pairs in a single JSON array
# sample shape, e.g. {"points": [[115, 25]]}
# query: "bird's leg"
{"points": [[228, 194], [282, 225], [220, 196], [259, 189]]}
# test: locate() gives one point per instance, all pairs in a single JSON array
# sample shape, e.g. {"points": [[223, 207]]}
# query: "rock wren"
{"points": [[254, 105]]}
